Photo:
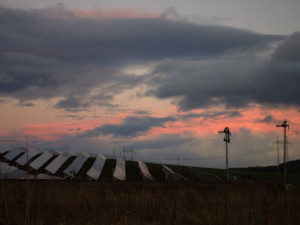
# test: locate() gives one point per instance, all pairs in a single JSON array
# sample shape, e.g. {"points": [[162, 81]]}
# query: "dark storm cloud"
{"points": [[131, 127], [268, 119], [72, 104], [232, 83], [26, 104], [208, 115], [142, 112], [47, 53], [68, 38], [27, 77], [289, 50], [71, 116]]}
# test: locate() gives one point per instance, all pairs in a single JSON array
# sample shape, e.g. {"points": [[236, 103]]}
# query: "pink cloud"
{"points": [[197, 126], [111, 14], [98, 14]]}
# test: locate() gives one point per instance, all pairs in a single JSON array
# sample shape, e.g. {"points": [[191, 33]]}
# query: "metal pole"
{"points": [[277, 151], [284, 125], [27, 166], [227, 140], [284, 153], [226, 143], [114, 151], [287, 150]]}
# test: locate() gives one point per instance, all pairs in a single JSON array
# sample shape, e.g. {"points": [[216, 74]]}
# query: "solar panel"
{"points": [[54, 151], [14, 153], [42, 159], [119, 172], [144, 171], [171, 175], [5, 168], [17, 174], [4, 149], [59, 161], [96, 169], [76, 165], [31, 153], [11, 172]]}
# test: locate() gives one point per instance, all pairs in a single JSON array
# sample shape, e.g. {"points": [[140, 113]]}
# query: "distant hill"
{"points": [[292, 167]]}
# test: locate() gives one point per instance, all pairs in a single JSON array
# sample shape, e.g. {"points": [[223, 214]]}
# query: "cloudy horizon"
{"points": [[161, 78]]}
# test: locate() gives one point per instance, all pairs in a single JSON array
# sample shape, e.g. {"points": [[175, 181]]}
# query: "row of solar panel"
{"points": [[42, 157], [12, 172]]}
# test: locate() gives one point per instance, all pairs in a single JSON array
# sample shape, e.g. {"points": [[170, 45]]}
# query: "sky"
{"points": [[161, 76]]}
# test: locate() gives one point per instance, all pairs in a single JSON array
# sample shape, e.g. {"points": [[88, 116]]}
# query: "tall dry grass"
{"points": [[137, 203]]}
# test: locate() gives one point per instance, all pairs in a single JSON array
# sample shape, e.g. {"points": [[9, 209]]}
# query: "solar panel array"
{"points": [[45, 159], [120, 173], [96, 169]]}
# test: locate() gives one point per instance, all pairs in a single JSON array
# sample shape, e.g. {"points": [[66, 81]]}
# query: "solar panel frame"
{"points": [[120, 171], [76, 165], [96, 169], [54, 166]]}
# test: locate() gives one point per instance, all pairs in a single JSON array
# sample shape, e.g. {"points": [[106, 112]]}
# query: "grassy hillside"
{"points": [[133, 203]]}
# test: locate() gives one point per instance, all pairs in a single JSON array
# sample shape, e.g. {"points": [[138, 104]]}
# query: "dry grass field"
{"points": [[82, 202]]}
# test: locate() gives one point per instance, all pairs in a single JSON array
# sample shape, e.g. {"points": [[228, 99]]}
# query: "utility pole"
{"points": [[287, 149], [278, 143], [27, 166], [284, 125], [114, 151], [277, 151], [126, 152], [227, 140]]}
